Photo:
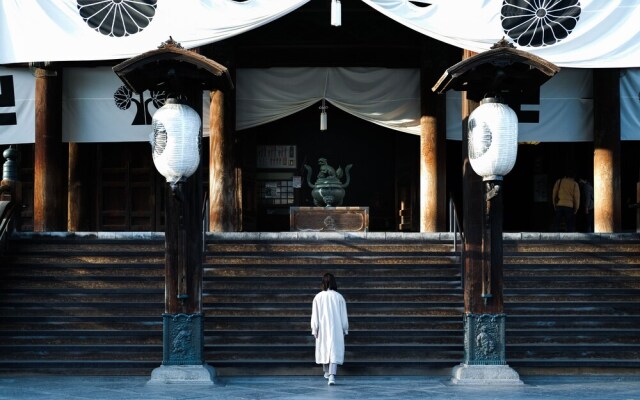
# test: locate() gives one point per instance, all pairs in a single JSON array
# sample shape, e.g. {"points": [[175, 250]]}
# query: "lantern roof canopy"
{"points": [[501, 69], [172, 68]]}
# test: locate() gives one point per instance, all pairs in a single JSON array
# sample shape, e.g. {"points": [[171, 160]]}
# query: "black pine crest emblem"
{"points": [[124, 99]]}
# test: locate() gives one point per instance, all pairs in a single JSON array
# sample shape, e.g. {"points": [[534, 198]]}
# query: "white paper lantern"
{"points": [[493, 139], [175, 141], [336, 13]]}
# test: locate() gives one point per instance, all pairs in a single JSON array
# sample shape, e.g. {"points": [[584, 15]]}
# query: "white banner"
{"points": [[70, 30], [568, 33], [565, 112], [17, 106], [98, 107], [630, 104]]}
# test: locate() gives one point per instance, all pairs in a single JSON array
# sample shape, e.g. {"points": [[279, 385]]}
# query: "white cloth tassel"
{"points": [[336, 13]]}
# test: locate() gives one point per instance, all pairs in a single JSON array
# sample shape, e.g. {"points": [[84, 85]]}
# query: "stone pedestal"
{"points": [[464, 374], [329, 219], [182, 358], [183, 374], [484, 353]]}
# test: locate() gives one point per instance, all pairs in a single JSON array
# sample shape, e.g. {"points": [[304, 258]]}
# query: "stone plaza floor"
{"points": [[582, 387]]}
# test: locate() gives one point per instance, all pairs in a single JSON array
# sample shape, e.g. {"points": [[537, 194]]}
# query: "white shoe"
{"points": [[332, 380], [326, 375]]}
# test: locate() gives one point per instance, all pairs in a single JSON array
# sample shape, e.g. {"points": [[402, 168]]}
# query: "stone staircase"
{"points": [[404, 300], [81, 304], [572, 304], [92, 303]]}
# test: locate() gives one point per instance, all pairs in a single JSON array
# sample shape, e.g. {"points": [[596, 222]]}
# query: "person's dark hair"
{"points": [[329, 282]]}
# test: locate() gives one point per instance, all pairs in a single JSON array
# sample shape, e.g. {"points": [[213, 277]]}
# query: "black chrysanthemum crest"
{"points": [[535, 23], [117, 18]]}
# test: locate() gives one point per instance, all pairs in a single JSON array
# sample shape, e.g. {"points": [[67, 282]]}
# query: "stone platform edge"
{"points": [[408, 236]]}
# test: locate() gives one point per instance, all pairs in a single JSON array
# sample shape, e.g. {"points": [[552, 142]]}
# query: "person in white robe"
{"points": [[329, 325]]}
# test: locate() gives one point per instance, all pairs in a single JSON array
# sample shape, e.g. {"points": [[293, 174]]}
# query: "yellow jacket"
{"points": [[566, 193]]}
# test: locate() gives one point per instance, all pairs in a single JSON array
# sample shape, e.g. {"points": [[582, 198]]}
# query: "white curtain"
{"points": [[390, 98], [568, 33], [74, 30], [384, 96]]}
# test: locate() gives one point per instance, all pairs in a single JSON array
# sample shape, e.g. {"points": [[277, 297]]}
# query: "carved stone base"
{"points": [[464, 374], [183, 374], [183, 338], [484, 339]]}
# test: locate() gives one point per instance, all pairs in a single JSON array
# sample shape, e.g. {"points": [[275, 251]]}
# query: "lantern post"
{"points": [[177, 130], [491, 80]]}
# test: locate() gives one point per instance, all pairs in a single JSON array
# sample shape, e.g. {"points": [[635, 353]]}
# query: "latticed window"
{"points": [[276, 192]]}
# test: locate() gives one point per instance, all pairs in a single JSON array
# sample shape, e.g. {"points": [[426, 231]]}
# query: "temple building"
{"points": [[307, 91]]}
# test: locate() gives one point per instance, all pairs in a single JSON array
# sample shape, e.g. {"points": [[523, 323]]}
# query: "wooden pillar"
{"points": [[606, 161], [183, 258], [81, 164], [482, 264], [50, 171], [183, 320], [433, 198], [473, 222], [224, 192]]}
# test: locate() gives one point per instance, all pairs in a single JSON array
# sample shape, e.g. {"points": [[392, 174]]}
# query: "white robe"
{"points": [[329, 324]]}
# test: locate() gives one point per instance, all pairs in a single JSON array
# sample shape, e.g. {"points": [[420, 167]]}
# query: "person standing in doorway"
{"points": [[586, 194], [329, 325], [566, 202]]}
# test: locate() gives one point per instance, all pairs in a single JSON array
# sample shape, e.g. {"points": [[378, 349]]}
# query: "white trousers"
{"points": [[332, 368]]}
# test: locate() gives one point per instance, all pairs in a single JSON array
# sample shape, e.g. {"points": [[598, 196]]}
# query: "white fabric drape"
{"points": [[565, 110], [387, 97], [46, 30], [603, 33], [390, 98]]}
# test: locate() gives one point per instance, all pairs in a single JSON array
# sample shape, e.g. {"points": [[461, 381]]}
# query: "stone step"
{"points": [[92, 304]]}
